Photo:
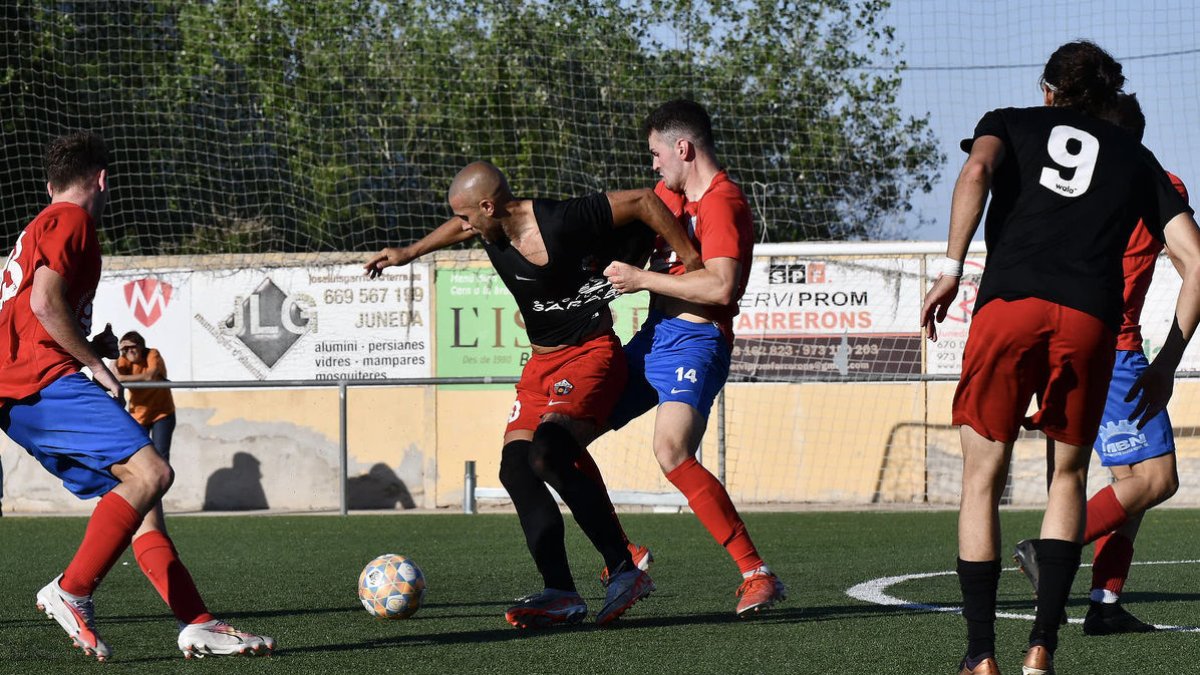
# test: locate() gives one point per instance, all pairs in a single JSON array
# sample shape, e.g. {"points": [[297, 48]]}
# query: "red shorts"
{"points": [[581, 382], [1022, 348]]}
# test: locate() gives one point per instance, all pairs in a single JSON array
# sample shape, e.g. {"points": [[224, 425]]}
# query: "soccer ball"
{"points": [[391, 587]]}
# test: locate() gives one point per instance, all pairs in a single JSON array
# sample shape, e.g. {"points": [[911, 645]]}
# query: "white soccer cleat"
{"points": [[74, 614], [217, 638]]}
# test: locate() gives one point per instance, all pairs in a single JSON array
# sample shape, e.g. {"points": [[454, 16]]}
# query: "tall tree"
{"points": [[291, 125]]}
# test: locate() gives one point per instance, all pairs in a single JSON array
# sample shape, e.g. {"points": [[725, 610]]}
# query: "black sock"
{"points": [[540, 518], [1058, 561], [979, 581], [553, 458]]}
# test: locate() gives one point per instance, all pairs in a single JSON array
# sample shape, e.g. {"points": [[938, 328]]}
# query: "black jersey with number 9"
{"points": [[1065, 199]]}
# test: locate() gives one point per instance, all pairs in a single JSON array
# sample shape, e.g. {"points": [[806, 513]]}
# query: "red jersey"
{"points": [[1140, 256], [721, 226], [63, 238]]}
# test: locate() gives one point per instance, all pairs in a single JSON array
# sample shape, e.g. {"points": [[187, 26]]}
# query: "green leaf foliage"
{"points": [[321, 125]]}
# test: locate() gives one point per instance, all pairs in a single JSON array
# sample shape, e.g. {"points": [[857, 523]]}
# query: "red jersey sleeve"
{"points": [[1179, 186], [62, 244], [717, 228]]}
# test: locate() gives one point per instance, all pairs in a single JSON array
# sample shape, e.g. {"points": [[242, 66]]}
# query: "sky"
{"points": [[966, 57]]}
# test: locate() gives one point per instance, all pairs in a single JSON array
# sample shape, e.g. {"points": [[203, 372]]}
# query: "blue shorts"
{"points": [[77, 431], [672, 360], [1119, 442]]}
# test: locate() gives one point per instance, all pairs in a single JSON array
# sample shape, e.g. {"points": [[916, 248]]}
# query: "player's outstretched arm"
{"points": [[713, 285], [1157, 382], [966, 210], [48, 301], [445, 235], [630, 205]]}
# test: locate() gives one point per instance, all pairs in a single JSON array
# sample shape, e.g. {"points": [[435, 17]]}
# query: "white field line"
{"points": [[875, 591]]}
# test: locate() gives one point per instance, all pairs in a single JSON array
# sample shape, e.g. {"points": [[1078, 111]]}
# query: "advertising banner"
{"points": [[944, 357], [319, 323], [155, 304], [479, 328], [830, 318]]}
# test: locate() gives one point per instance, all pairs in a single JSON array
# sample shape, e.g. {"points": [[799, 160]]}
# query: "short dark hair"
{"points": [[1084, 77], [1127, 114], [134, 337], [681, 117], [74, 158]]}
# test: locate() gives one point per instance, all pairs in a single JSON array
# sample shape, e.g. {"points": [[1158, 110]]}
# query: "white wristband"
{"points": [[949, 267]]}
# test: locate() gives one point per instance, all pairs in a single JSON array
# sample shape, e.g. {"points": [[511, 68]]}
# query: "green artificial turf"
{"points": [[295, 578]]}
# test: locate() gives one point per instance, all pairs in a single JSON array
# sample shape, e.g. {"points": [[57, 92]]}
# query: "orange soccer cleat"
{"points": [[760, 591]]}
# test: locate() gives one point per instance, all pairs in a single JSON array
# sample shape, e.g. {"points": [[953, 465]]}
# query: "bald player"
{"points": [[551, 256]]}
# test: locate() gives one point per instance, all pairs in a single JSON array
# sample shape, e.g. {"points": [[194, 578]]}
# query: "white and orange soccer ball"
{"points": [[391, 587]]}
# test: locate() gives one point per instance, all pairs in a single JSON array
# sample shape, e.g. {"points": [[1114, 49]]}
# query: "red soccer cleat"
{"points": [[760, 592]]}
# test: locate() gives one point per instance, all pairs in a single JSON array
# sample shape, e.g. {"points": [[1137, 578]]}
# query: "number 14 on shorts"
{"points": [[689, 374]]}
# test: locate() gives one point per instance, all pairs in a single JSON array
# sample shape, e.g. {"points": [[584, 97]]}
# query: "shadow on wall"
{"points": [[379, 488], [236, 488]]}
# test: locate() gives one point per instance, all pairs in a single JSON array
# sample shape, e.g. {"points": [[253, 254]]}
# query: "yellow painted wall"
{"points": [[786, 443]]}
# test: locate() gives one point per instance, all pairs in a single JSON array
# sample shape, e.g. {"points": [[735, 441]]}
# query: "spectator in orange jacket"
{"points": [[154, 409]]}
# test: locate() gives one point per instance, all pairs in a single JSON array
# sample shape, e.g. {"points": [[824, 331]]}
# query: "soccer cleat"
{"points": [[625, 588], [759, 592], [547, 608], [1038, 661], [1110, 619], [1025, 555], [75, 616], [217, 638], [987, 666], [642, 557]]}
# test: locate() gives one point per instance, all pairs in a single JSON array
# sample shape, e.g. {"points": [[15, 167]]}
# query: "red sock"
{"points": [[1110, 566], [1104, 514], [587, 465], [710, 501], [160, 563], [107, 536]]}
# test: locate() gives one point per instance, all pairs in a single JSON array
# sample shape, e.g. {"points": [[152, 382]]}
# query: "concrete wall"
{"points": [[849, 444]]}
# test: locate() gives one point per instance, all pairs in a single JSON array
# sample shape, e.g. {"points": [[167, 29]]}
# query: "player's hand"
{"points": [[692, 263], [624, 277], [106, 379], [392, 256], [105, 343], [1154, 386], [937, 303]]}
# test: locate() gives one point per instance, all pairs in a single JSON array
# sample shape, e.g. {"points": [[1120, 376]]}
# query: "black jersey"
{"points": [[566, 300], [1065, 200]]}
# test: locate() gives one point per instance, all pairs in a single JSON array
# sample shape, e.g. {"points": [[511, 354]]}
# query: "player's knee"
{"points": [[150, 480], [1164, 487], [514, 463], [552, 449], [670, 455], [161, 478]]}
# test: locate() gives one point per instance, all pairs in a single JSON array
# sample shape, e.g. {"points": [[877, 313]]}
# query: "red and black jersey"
{"points": [[565, 301], [1065, 199]]}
